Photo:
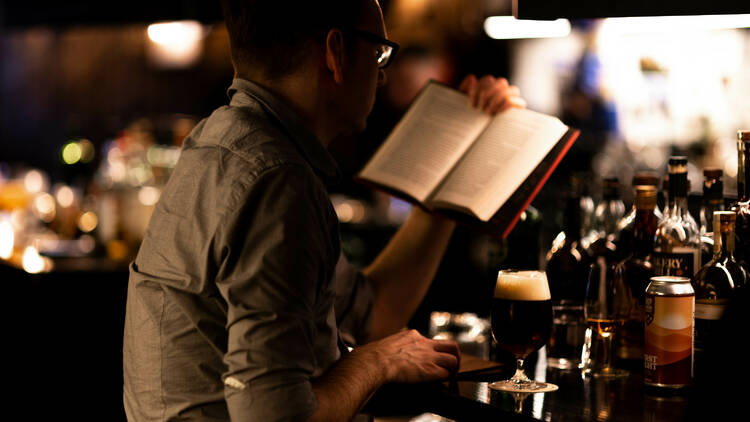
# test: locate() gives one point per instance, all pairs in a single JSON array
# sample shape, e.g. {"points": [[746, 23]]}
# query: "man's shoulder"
{"points": [[247, 133]]}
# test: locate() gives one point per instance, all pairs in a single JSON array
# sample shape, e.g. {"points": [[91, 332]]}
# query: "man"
{"points": [[235, 300]]}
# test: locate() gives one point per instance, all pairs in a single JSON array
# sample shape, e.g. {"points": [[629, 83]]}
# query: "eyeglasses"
{"points": [[386, 50]]}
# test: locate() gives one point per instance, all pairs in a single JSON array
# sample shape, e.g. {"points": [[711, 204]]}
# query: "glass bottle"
{"points": [[567, 263], [580, 183], [742, 206], [713, 200], [624, 237], [714, 285], [636, 271], [606, 216], [677, 248]]}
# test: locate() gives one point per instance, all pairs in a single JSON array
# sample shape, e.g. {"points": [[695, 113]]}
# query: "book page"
{"points": [[428, 141], [500, 160]]}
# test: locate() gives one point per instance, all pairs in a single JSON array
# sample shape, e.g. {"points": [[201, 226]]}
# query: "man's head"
{"points": [[270, 39], [336, 44]]}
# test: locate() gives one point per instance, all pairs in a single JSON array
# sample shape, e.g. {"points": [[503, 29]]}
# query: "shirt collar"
{"points": [[243, 92]]}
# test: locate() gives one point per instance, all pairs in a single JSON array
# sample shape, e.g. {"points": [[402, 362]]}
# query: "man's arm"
{"points": [[403, 271], [403, 357]]}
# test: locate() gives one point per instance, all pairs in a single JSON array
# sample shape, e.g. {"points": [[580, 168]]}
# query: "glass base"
{"points": [[608, 373], [562, 363], [523, 387]]}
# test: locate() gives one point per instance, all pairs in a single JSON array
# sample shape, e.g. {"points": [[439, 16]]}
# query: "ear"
{"points": [[335, 54]]}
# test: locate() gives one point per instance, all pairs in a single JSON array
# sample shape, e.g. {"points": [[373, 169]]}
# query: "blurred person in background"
{"points": [[240, 306]]}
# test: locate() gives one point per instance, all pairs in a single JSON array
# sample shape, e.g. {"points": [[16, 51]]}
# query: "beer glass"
{"points": [[606, 307], [521, 323]]}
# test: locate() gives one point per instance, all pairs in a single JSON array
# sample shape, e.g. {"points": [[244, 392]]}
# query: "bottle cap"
{"points": [[645, 178], [743, 135], [678, 160], [645, 197], [713, 173], [725, 216]]}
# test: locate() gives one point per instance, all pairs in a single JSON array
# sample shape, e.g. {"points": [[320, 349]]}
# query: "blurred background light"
{"points": [[7, 238], [508, 27], [674, 24], [71, 153], [34, 263], [149, 195], [175, 44], [34, 181], [88, 221], [65, 196]]}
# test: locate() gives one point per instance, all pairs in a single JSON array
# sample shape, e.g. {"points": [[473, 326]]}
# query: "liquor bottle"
{"points": [[608, 212], [567, 263], [714, 285], [742, 206], [624, 237], [677, 249], [713, 200], [580, 184], [636, 271]]}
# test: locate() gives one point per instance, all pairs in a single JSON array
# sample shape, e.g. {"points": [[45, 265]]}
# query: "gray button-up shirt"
{"points": [[239, 290]]}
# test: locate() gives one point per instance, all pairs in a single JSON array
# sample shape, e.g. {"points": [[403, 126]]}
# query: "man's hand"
{"points": [[409, 357], [491, 95]]}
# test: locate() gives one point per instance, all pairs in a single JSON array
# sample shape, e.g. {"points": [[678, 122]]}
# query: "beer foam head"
{"points": [[522, 285]]}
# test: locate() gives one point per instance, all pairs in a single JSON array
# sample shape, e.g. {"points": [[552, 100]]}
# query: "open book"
{"points": [[451, 158]]}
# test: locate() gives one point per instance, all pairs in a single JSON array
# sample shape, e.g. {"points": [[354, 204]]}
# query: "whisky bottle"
{"points": [[636, 271], [601, 240], [677, 248], [713, 200], [742, 206], [624, 236], [714, 285], [567, 263]]}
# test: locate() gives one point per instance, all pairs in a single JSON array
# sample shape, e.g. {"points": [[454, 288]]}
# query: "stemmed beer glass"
{"points": [[521, 323]]}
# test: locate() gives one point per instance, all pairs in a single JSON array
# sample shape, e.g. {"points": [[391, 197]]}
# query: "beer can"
{"points": [[670, 316]]}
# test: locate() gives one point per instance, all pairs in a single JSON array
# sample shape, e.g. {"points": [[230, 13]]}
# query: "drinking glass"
{"points": [[606, 307], [521, 323]]}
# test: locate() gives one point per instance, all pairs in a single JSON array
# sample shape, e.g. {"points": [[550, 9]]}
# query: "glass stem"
{"points": [[607, 352], [519, 378]]}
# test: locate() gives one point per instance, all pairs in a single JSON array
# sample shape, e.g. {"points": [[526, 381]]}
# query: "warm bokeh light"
{"points": [[149, 195], [44, 207], [175, 44], [7, 239], [508, 27], [34, 181], [88, 221], [88, 152], [33, 263], [65, 196], [71, 153]]}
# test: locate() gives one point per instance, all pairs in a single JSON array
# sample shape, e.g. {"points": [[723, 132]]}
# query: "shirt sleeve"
{"points": [[276, 266], [354, 298]]}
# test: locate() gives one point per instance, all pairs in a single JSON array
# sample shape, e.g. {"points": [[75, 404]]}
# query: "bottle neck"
{"points": [[678, 205], [743, 172], [723, 242], [678, 190], [644, 232]]}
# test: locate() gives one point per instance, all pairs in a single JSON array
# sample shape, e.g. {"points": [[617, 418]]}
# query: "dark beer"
{"points": [[521, 312]]}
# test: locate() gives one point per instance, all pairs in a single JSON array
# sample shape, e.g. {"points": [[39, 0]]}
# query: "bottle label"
{"points": [[668, 352], [709, 311], [681, 262]]}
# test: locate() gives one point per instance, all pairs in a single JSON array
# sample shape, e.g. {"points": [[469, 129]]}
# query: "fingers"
{"points": [[468, 84], [491, 95]]}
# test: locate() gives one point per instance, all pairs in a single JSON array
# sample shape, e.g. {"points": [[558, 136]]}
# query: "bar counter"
{"points": [[579, 398]]}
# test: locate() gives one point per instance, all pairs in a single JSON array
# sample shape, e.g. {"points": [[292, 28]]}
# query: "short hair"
{"points": [[273, 37]]}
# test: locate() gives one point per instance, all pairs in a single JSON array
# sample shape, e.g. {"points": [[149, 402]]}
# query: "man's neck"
{"points": [[300, 92]]}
